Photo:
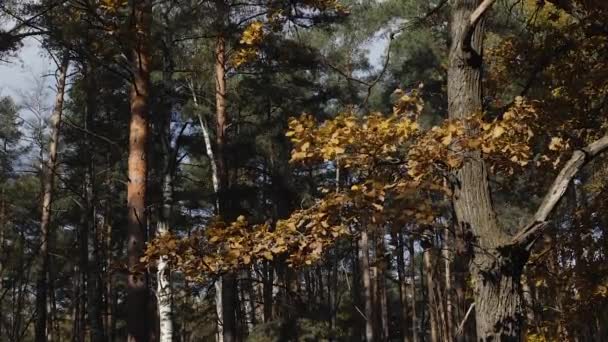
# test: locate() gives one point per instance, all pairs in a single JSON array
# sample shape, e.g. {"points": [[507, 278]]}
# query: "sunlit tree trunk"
{"points": [[430, 290], [228, 282], [42, 329], [403, 302], [367, 286], [449, 323], [139, 325], [170, 147], [498, 305]]}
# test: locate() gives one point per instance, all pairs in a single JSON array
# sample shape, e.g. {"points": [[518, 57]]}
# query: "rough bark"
{"points": [[496, 272], [228, 282], [42, 331], [138, 320]]}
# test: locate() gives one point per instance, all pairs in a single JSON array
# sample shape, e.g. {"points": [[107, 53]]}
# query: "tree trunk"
{"points": [[398, 238], [164, 286], [170, 148], [430, 291], [42, 331], [228, 282], [138, 320], [94, 294], [498, 306], [413, 281], [367, 286], [462, 257], [382, 300], [449, 323]]}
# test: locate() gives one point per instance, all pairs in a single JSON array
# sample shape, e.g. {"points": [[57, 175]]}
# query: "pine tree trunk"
{"points": [[228, 282], [42, 330], [139, 325], [367, 286]]}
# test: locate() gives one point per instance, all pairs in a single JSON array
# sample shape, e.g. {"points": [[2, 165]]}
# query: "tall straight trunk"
{"points": [[498, 304], [228, 281], [413, 281], [398, 241], [448, 323], [110, 299], [430, 291], [139, 327], [367, 286], [93, 288], [164, 286], [42, 331], [81, 291], [381, 293]]}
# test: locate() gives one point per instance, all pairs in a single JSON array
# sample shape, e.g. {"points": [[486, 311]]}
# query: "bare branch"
{"points": [[558, 188]]}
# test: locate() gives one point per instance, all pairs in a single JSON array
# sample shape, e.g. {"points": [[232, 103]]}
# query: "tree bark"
{"points": [[367, 286], [42, 331], [498, 306], [413, 281], [398, 238], [430, 291], [94, 293], [228, 281], [164, 285], [449, 323], [138, 298]]}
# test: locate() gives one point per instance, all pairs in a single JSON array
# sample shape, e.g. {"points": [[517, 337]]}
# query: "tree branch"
{"points": [[474, 19], [579, 158]]}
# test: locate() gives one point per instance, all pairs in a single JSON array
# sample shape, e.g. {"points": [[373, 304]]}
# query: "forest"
{"points": [[305, 170]]}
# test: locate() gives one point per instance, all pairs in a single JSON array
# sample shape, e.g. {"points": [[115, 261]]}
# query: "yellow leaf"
{"points": [[498, 131], [447, 139]]}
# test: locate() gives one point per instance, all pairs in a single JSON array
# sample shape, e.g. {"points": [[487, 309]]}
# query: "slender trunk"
{"points": [[42, 330], [228, 281], [138, 320], [110, 301], [164, 286], [413, 281], [398, 240], [382, 300], [430, 290], [164, 289], [367, 286], [94, 295], [449, 323], [498, 304]]}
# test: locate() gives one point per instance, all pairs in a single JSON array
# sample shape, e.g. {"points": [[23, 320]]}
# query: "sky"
{"points": [[18, 75]]}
